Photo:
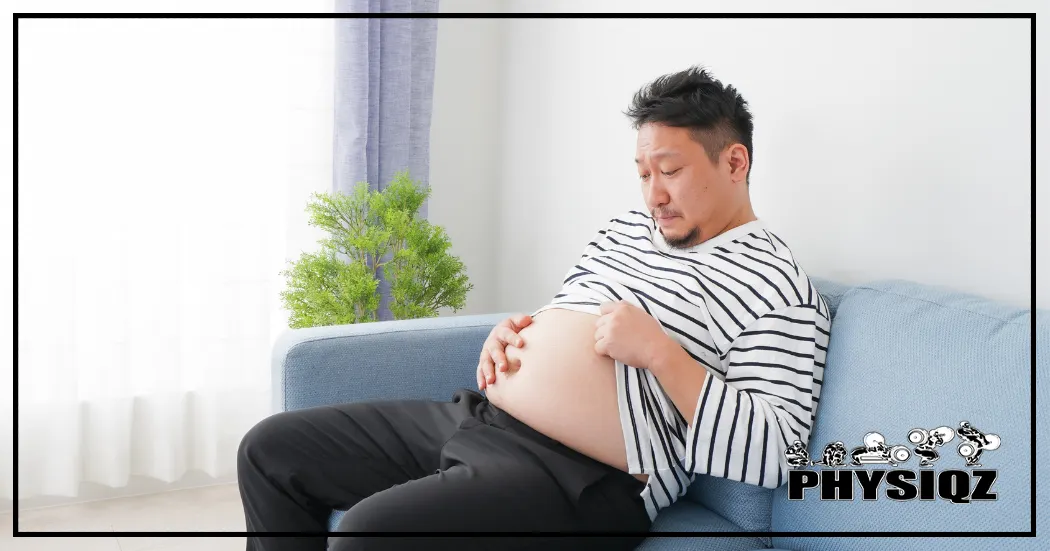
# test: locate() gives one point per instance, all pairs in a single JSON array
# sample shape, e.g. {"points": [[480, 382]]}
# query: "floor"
{"points": [[208, 509]]}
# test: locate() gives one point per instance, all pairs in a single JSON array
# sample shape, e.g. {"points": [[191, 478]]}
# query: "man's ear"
{"points": [[739, 163]]}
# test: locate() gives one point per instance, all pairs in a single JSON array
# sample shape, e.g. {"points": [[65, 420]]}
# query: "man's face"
{"points": [[681, 186]]}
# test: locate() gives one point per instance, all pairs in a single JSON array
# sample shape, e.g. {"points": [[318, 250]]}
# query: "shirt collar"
{"points": [[709, 245]]}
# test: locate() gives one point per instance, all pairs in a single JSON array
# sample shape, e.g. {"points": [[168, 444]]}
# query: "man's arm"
{"points": [[739, 428]]}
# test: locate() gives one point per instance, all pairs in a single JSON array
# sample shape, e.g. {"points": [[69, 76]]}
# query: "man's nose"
{"points": [[657, 191]]}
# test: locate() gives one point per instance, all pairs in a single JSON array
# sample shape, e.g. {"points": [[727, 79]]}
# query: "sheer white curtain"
{"points": [[164, 171]]}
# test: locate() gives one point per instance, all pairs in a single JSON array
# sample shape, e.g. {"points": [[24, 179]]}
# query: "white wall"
{"points": [[883, 148], [465, 173]]}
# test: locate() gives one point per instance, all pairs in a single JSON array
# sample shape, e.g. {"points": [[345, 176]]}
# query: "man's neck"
{"points": [[742, 216]]}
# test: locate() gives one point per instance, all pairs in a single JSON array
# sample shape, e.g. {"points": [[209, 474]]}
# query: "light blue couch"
{"points": [[901, 356]]}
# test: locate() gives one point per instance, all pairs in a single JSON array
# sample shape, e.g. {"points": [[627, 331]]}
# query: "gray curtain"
{"points": [[384, 87]]}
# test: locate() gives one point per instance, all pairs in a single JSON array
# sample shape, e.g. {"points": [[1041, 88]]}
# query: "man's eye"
{"points": [[643, 177], [672, 173]]}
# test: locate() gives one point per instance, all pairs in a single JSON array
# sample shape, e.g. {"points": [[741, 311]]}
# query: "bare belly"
{"points": [[564, 389]]}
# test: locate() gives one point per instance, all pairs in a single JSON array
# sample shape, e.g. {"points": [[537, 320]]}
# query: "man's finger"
{"points": [[511, 338], [482, 377], [498, 358], [607, 307], [521, 321], [508, 323], [501, 363], [488, 373]]}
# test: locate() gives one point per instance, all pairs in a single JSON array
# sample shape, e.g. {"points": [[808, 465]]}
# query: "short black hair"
{"points": [[717, 114]]}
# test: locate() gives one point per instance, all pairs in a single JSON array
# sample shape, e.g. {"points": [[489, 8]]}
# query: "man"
{"points": [[686, 340]]}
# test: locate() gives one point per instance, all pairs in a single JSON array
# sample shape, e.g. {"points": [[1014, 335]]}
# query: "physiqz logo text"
{"points": [[954, 485]]}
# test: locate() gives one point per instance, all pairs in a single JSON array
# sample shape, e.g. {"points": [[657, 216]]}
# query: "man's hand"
{"points": [[626, 333], [492, 352]]}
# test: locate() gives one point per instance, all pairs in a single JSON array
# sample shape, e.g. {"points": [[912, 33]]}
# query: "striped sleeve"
{"points": [[743, 424], [592, 246]]}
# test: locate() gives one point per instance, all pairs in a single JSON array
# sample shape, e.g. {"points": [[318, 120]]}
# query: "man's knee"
{"points": [[262, 440]]}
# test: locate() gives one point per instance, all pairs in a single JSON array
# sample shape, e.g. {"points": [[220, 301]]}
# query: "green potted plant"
{"points": [[373, 230]]}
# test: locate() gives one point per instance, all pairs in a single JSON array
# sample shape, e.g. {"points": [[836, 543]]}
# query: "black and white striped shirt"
{"points": [[743, 308]]}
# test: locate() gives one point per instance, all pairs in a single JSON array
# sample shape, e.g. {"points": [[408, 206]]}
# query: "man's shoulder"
{"points": [[631, 218], [632, 224], [779, 280]]}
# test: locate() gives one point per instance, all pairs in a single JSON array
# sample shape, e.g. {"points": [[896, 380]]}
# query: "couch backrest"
{"points": [[746, 505], [906, 356]]}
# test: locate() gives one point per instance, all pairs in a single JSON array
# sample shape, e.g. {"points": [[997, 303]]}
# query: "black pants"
{"points": [[424, 466]]}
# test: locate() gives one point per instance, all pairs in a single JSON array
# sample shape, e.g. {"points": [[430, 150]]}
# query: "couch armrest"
{"points": [[426, 358]]}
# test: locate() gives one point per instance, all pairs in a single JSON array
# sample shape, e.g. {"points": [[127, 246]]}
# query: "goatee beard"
{"points": [[683, 242]]}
